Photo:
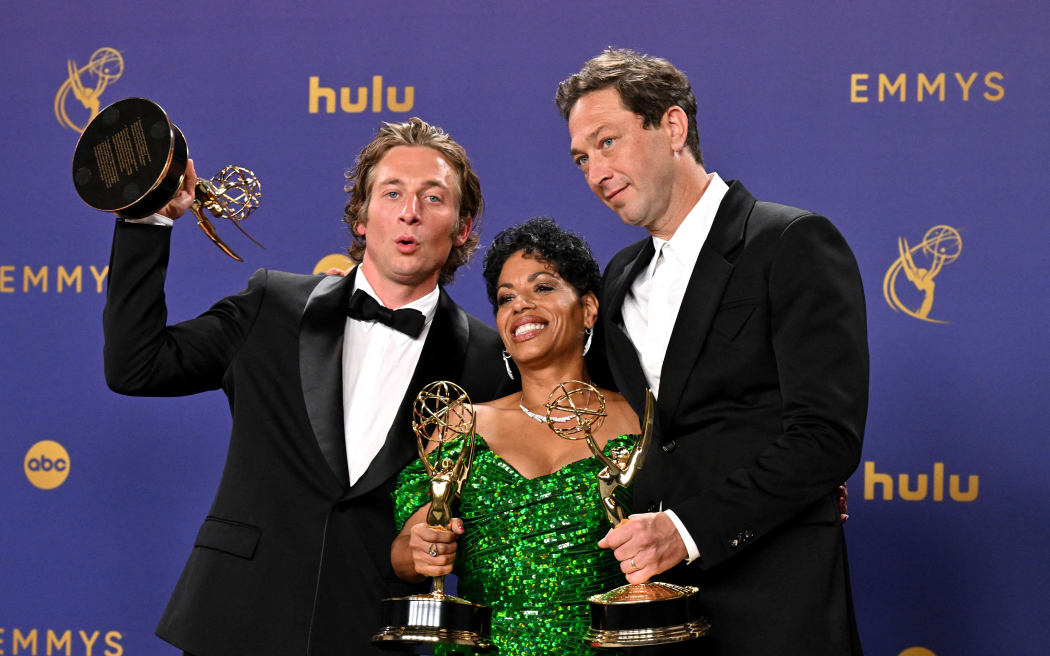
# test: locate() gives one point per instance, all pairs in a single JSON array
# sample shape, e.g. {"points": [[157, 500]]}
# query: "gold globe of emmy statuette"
{"points": [[943, 244], [441, 414], [131, 161], [637, 614]]}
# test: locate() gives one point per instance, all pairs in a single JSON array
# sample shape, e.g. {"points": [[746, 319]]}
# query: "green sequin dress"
{"points": [[530, 548]]}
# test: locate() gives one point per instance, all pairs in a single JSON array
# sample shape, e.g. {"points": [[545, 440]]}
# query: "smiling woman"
{"points": [[531, 518]]}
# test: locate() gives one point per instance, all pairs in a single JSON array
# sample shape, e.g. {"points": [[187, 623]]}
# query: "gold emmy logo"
{"points": [[56, 641], [925, 86], [940, 246], [28, 278], [916, 651], [47, 464], [333, 261], [105, 66]]}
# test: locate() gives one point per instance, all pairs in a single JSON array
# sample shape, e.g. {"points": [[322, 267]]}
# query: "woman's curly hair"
{"points": [[542, 238]]}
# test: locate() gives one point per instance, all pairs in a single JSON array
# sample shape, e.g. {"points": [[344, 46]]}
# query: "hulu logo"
{"points": [[925, 485], [355, 101]]}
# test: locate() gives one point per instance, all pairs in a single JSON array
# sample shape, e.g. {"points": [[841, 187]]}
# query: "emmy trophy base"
{"points": [[644, 614], [418, 622], [130, 160]]}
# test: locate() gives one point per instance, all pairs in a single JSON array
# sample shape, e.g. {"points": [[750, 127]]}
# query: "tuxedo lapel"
{"points": [[321, 367], [620, 282], [702, 297], [625, 366], [441, 359]]}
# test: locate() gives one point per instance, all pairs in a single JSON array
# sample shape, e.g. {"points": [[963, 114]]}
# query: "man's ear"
{"points": [[463, 233], [359, 228], [676, 123]]}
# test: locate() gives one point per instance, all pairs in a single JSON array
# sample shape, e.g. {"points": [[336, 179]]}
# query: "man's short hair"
{"points": [[648, 86], [415, 132]]}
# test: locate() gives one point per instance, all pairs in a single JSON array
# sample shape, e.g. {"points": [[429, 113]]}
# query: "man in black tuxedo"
{"points": [[747, 320], [294, 555]]}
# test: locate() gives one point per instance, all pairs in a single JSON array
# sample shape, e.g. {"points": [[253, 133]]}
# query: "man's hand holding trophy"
{"points": [[638, 614], [132, 161]]}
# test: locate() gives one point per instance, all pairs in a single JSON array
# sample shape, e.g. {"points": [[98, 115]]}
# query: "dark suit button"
{"points": [[748, 535], [652, 508], [670, 446]]}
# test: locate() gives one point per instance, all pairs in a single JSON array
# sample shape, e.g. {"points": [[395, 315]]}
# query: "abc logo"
{"points": [[47, 464]]}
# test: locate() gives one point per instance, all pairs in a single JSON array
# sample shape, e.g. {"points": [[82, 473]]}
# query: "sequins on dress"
{"points": [[530, 548]]}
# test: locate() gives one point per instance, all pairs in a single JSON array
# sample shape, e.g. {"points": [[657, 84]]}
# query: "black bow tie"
{"points": [[365, 308]]}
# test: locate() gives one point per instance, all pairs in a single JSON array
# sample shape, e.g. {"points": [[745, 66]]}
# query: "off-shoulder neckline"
{"points": [[556, 471]]}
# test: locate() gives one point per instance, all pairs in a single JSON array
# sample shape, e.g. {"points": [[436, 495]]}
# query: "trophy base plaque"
{"points": [[643, 614], [418, 622], [131, 161]]}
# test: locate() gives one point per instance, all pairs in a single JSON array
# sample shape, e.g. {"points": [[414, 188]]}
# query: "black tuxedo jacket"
{"points": [[291, 558], [760, 414]]}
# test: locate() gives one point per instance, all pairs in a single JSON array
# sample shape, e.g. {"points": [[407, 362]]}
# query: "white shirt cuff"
{"points": [[690, 544], [153, 219]]}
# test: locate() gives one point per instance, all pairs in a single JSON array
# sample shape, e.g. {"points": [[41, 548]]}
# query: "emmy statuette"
{"points": [[131, 161], [637, 614], [442, 413]]}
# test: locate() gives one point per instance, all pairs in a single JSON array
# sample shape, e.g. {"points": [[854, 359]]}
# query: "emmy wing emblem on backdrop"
{"points": [[637, 614], [131, 161], [941, 245], [442, 413]]}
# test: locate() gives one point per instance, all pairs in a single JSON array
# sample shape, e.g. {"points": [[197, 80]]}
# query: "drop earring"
{"points": [[506, 363]]}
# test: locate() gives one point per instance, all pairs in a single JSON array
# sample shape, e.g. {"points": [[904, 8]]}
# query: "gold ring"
{"points": [[433, 550], [636, 568]]}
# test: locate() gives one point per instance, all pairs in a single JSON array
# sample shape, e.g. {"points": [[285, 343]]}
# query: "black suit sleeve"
{"points": [[143, 356], [819, 336]]}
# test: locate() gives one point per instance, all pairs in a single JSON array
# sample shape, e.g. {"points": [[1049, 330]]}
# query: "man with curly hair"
{"points": [[320, 374], [747, 321]]}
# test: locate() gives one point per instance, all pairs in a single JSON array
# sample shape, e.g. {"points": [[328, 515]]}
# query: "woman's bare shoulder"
{"points": [[491, 414]]}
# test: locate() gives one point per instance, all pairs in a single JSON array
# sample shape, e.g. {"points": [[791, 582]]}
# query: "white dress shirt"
{"points": [[378, 363], [152, 219], [651, 306]]}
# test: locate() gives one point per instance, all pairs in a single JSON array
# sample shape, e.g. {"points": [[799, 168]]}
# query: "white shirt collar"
{"points": [[687, 240], [426, 304]]}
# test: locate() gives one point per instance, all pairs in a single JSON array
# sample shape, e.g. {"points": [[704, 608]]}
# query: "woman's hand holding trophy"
{"points": [[444, 416]]}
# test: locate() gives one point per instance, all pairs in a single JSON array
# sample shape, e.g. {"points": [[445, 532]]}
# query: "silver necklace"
{"points": [[540, 418]]}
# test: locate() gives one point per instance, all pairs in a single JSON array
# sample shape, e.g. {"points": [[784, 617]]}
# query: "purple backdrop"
{"points": [[789, 103]]}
